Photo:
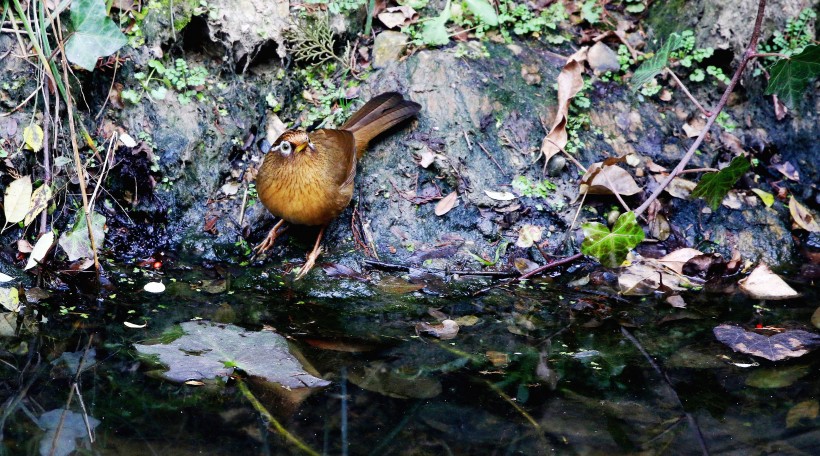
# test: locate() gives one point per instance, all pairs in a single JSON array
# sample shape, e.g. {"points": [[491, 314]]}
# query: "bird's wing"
{"points": [[338, 149]]}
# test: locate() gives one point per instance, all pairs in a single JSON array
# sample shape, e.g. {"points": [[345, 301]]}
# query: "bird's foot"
{"points": [[270, 239], [309, 263]]}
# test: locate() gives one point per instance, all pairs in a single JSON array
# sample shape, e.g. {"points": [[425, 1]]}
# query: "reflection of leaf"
{"points": [[611, 247], [95, 34], [434, 32], [762, 283], [379, 377], [208, 350], [76, 243], [788, 344], [779, 377], [791, 76], [653, 66], [713, 187], [807, 410], [63, 428], [17, 199], [802, 216]]}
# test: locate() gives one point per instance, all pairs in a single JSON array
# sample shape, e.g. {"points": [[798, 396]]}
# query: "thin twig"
{"points": [[534, 272], [693, 424], [703, 110], [491, 158], [404, 268], [699, 170], [747, 56]]}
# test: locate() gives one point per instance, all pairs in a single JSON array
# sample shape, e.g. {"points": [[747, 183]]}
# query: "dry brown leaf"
{"points": [[608, 179], [788, 170], [523, 265], [762, 283], [645, 276], [694, 127], [802, 216], [676, 301], [570, 82], [40, 250], [527, 235], [675, 260], [398, 16], [659, 228], [446, 204]]}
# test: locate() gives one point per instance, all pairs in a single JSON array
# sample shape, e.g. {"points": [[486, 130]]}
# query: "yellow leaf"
{"points": [[766, 197], [33, 136], [18, 196], [39, 201], [802, 217]]}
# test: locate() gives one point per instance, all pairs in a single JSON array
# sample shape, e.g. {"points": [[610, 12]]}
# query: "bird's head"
{"points": [[292, 141]]}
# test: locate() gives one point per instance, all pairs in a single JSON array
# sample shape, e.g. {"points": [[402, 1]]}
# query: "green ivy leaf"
{"points": [[789, 77], [95, 34], [653, 66], [713, 187], [434, 32], [611, 247], [484, 11]]}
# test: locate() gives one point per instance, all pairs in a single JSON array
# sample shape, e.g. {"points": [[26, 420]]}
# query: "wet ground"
{"points": [[536, 369]]}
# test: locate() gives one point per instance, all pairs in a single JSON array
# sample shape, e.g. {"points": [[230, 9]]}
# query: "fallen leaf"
{"points": [[788, 170], [33, 137], [499, 196], [62, 430], [446, 204], [208, 350], [762, 283], [398, 16], [675, 260], [802, 216], [778, 377], [676, 301], [498, 359], [17, 199], [5, 278], [646, 275], [788, 344], [467, 320], [678, 187], [766, 197], [570, 82], [40, 250], [10, 299], [528, 235], [713, 187], [75, 242], [425, 157], [128, 324], [395, 285], [659, 228], [603, 179], [38, 203], [230, 188], [446, 330], [694, 127], [807, 410]]}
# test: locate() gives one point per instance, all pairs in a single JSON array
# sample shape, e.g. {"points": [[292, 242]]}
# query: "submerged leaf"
{"points": [[611, 247], [791, 76], [713, 187], [208, 350], [788, 344]]}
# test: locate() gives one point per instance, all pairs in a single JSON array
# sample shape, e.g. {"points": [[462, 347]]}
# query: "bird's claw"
{"points": [[309, 263]]}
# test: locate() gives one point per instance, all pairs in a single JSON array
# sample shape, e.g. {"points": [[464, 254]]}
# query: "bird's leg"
{"points": [[270, 238], [314, 254]]}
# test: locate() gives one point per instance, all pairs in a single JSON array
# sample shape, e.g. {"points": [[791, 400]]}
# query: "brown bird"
{"points": [[307, 178]]}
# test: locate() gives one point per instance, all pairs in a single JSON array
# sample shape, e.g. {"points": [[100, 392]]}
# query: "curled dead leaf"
{"points": [[802, 216], [528, 235], [601, 179], [570, 82], [446, 330]]}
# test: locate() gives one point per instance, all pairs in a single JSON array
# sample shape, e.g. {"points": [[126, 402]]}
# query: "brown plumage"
{"points": [[307, 178]]}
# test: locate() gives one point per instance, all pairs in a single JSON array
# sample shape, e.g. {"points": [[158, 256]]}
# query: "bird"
{"points": [[307, 178]]}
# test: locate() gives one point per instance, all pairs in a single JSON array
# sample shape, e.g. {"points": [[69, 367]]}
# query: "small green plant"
{"points": [[188, 82], [339, 6], [634, 6], [527, 188], [798, 34], [312, 41]]}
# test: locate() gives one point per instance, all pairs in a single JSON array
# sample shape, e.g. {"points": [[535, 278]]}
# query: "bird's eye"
{"points": [[285, 147]]}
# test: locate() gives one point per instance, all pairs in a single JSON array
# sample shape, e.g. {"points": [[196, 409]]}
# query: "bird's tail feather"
{"points": [[379, 115]]}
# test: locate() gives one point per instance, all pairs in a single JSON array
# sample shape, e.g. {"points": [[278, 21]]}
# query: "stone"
{"points": [[602, 58], [388, 47]]}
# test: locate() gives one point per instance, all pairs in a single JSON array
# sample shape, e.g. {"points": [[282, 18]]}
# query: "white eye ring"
{"points": [[285, 148]]}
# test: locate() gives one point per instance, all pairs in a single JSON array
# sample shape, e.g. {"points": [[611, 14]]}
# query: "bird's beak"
{"points": [[307, 145]]}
